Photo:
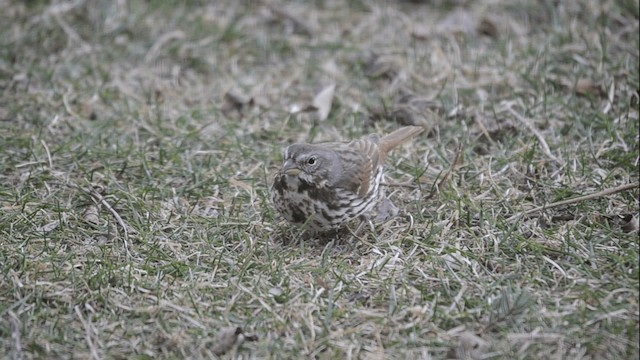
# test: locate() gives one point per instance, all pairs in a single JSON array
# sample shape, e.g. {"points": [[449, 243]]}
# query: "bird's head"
{"points": [[313, 164]]}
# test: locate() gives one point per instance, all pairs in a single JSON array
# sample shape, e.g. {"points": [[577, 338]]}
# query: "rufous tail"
{"points": [[397, 138]]}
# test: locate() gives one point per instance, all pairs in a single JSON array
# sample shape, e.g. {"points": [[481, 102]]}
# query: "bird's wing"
{"points": [[359, 160]]}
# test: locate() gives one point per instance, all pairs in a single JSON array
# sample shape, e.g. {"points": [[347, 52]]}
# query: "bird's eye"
{"points": [[311, 161]]}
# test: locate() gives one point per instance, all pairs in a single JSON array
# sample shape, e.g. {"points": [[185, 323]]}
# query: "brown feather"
{"points": [[397, 138], [359, 158]]}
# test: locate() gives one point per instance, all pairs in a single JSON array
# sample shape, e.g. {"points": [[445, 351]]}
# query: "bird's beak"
{"points": [[289, 168]]}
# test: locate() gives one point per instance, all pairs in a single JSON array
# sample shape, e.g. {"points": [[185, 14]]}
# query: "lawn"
{"points": [[139, 139]]}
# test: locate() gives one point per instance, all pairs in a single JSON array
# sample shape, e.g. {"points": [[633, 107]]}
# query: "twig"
{"points": [[67, 106], [46, 149], [577, 199], [99, 198], [437, 188]]}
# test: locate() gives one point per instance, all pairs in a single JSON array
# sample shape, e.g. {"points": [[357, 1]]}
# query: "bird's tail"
{"points": [[398, 137]]}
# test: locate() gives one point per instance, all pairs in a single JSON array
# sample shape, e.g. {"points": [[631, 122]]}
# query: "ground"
{"points": [[139, 138]]}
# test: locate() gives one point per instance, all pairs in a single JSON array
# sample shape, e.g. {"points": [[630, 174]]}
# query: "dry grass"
{"points": [[138, 140]]}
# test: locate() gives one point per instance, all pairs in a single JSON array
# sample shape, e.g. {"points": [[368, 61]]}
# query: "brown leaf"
{"points": [[90, 215], [226, 340], [323, 101], [471, 346], [629, 223], [236, 101], [237, 98], [487, 27], [386, 210], [231, 337], [585, 86]]}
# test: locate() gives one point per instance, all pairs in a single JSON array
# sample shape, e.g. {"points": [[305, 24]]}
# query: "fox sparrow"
{"points": [[326, 185]]}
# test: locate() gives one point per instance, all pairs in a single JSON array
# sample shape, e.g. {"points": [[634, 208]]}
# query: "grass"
{"points": [[135, 220]]}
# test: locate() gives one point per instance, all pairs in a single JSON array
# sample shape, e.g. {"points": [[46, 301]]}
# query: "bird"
{"points": [[324, 186]]}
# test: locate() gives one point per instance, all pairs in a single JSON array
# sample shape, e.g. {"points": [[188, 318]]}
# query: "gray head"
{"points": [[315, 164]]}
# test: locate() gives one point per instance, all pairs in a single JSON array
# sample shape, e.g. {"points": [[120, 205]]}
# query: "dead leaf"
{"points": [[628, 222], [586, 86], [323, 101], [299, 26], [631, 224], [234, 100], [421, 32], [229, 338], [226, 340], [90, 215], [331, 69], [50, 226], [237, 98], [459, 21], [471, 346], [386, 210], [488, 27]]}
